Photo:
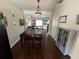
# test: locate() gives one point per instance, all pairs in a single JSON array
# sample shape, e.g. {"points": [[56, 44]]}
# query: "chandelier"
{"points": [[38, 9]]}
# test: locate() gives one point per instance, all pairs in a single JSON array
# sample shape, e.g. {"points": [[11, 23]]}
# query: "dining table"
{"points": [[31, 33]]}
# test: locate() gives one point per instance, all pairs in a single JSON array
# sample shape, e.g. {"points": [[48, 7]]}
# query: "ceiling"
{"points": [[45, 5]]}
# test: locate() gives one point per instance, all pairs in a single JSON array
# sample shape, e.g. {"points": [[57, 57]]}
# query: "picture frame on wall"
{"points": [[63, 19], [22, 22], [77, 22], [4, 19]]}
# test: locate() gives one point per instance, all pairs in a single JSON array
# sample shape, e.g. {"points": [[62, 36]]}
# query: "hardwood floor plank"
{"points": [[47, 51]]}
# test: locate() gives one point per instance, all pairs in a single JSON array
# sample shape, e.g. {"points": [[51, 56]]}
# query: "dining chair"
{"points": [[28, 41], [37, 40]]}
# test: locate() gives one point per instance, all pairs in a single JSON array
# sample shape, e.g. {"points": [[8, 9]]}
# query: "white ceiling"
{"points": [[45, 5]]}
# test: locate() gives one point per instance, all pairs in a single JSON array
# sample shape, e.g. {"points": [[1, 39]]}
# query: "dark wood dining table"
{"points": [[31, 33]]}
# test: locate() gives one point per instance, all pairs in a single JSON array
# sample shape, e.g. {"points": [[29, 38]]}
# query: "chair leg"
{"points": [[21, 40], [21, 43]]}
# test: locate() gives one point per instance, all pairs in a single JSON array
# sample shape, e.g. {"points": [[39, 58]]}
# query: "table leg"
{"points": [[21, 40]]}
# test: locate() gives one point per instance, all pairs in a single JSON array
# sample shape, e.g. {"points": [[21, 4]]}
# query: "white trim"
{"points": [[14, 43], [52, 37]]}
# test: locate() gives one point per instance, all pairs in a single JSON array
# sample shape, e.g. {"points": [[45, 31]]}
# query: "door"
{"points": [[5, 52]]}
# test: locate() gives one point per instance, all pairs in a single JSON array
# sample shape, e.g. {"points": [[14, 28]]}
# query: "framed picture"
{"points": [[22, 22], [77, 22], [63, 19]]}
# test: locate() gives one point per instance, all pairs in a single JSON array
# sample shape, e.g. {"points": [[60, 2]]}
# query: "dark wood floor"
{"points": [[48, 50]]}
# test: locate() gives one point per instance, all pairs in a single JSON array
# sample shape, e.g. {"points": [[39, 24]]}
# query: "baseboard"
{"points": [[14, 43], [52, 37]]}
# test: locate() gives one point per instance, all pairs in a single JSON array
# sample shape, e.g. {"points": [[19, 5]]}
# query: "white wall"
{"points": [[13, 28], [27, 21], [32, 13], [69, 8]]}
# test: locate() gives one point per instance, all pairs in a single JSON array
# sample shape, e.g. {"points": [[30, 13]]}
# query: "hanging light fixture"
{"points": [[38, 9]]}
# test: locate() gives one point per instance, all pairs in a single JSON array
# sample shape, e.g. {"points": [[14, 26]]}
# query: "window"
{"points": [[39, 22]]}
